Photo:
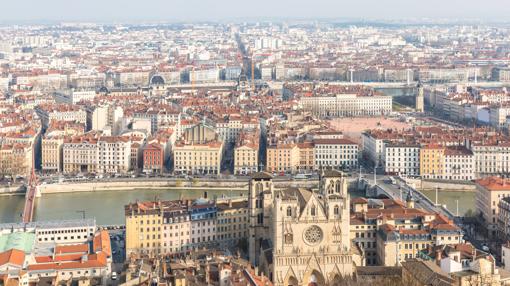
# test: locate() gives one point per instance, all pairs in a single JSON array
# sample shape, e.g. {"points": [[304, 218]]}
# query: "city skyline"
{"points": [[229, 10]]}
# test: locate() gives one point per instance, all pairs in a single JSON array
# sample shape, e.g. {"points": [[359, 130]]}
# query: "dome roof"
{"points": [[157, 79]]}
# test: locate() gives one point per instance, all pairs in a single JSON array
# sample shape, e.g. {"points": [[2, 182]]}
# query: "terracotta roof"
{"points": [[13, 256], [494, 183], [74, 248], [102, 243]]}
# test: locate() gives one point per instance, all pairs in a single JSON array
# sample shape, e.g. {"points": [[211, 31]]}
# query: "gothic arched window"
{"points": [[260, 218], [258, 187], [337, 186], [289, 211], [336, 210], [312, 211]]}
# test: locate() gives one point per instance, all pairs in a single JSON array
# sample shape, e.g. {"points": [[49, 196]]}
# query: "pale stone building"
{"points": [[300, 236], [489, 192], [200, 158], [52, 153], [347, 105]]}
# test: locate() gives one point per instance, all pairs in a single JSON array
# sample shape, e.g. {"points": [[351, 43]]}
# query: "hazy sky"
{"points": [[193, 10]]}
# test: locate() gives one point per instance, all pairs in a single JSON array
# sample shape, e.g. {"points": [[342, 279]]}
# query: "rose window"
{"points": [[313, 235]]}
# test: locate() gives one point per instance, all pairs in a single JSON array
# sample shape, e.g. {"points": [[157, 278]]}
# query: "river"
{"points": [[466, 200], [108, 206]]}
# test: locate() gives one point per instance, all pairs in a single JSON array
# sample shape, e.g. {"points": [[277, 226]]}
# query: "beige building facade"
{"points": [[52, 149], [489, 192], [298, 236]]}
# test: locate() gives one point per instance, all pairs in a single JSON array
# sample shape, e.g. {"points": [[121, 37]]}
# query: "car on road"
{"points": [[114, 275]]}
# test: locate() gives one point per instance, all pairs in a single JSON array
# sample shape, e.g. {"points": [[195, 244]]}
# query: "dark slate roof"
{"points": [[379, 270], [331, 173], [262, 175], [157, 79]]}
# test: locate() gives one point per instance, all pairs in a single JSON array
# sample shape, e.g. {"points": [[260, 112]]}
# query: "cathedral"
{"points": [[301, 236]]}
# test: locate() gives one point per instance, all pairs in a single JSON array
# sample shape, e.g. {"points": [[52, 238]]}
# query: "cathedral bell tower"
{"points": [[260, 204]]}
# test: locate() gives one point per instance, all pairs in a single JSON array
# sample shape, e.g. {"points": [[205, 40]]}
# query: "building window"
{"points": [[289, 211]]}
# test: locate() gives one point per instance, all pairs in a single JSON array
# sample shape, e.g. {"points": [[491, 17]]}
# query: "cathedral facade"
{"points": [[301, 236]]}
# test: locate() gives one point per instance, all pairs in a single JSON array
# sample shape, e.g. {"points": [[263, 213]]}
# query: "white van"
{"points": [[114, 275]]}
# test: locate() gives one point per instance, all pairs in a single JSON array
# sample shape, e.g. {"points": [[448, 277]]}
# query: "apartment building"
{"points": [[51, 154], [176, 230], [143, 226], [246, 159], [402, 159], [459, 164], [342, 105], [153, 158], [489, 192], [306, 156], [432, 161], [61, 112], [166, 227], [336, 153], [246, 153], [199, 158], [504, 219], [447, 163], [491, 158], [80, 155], [16, 159], [229, 129], [282, 158], [232, 222], [114, 155], [373, 147], [203, 215], [390, 232], [462, 263], [108, 117]]}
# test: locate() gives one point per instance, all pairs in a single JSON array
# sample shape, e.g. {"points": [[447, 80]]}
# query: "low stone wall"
{"points": [[11, 190], [161, 184], [447, 185]]}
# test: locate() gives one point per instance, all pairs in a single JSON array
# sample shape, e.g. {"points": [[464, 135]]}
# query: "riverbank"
{"points": [[126, 185], [17, 189], [452, 186]]}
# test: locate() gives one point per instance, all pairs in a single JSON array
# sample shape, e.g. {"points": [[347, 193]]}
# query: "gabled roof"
{"points": [[13, 257]]}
